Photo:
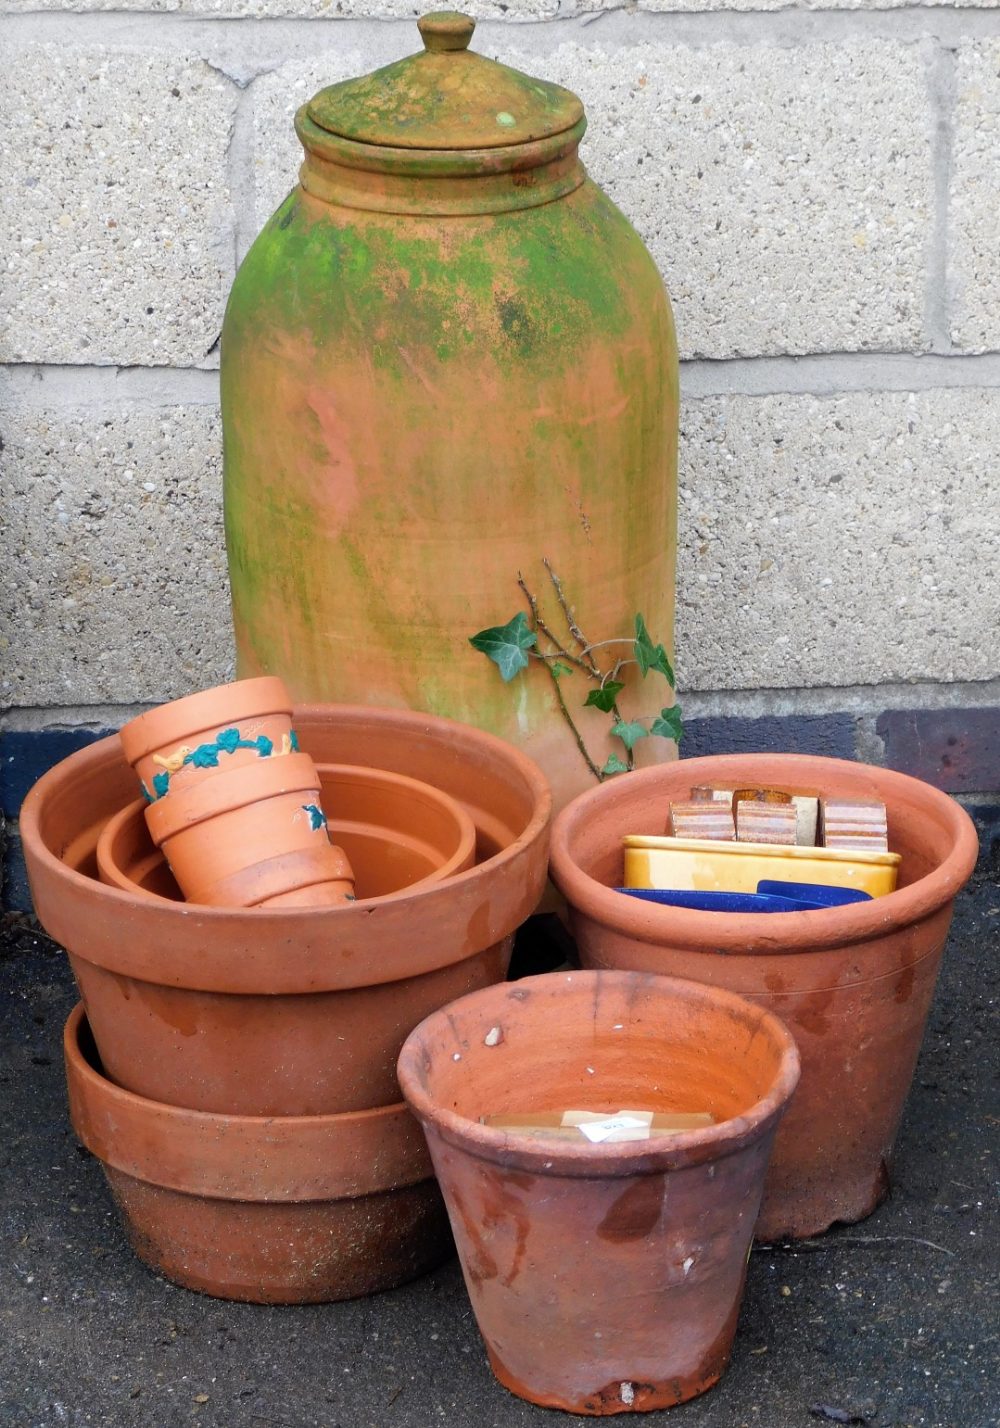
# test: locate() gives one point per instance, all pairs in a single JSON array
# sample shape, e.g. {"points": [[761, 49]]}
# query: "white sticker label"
{"points": [[615, 1127]]}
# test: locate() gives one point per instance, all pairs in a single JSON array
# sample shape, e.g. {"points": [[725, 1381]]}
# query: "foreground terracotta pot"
{"points": [[604, 1278], [395, 833], [287, 1011], [287, 1210], [854, 984]]}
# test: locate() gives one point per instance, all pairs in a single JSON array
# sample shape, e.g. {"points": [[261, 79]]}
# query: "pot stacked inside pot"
{"points": [[232, 1062]]}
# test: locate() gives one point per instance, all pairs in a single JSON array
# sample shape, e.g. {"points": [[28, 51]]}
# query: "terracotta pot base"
{"points": [[293, 1210]]}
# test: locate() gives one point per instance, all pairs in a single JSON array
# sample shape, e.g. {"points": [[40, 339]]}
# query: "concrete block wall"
{"points": [[820, 185]]}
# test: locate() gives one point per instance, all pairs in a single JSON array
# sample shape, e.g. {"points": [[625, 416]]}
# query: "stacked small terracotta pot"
{"points": [[233, 1065]]}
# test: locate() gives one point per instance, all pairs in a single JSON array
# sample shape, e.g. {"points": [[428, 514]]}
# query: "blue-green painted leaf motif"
{"points": [[228, 740], [317, 818]]}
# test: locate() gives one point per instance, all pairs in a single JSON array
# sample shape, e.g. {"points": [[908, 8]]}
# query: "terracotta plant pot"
{"points": [[604, 1278], [394, 831], [287, 1011], [854, 983], [178, 744], [287, 1210], [253, 836], [234, 806]]}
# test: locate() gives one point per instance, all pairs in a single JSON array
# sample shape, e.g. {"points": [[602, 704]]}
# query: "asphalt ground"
{"points": [[892, 1323]]}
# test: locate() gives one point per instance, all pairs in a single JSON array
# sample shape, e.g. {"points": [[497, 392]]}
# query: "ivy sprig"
{"points": [[515, 645]]}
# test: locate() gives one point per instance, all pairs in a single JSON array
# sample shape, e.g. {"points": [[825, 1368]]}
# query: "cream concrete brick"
{"points": [[277, 153], [115, 222], [836, 541], [312, 9], [785, 192], [974, 217], [116, 588]]}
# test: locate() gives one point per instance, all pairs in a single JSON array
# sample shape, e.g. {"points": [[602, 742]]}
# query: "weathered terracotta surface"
{"points": [[395, 832], [287, 1011], [447, 356], [286, 1210], [604, 1278], [854, 984]]}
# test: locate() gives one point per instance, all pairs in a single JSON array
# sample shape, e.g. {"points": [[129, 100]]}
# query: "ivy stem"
{"points": [[576, 733], [589, 668], [567, 609]]}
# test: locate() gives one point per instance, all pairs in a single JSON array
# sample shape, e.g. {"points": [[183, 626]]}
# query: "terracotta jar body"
{"points": [[605, 1278], [853, 984], [446, 358]]}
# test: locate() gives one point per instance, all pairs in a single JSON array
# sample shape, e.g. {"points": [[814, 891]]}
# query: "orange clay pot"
{"points": [[604, 1278], [287, 1210], [294, 1011], [394, 831], [253, 836], [854, 984], [177, 744]]}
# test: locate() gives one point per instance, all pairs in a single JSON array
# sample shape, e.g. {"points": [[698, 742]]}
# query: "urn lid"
{"points": [[446, 97]]}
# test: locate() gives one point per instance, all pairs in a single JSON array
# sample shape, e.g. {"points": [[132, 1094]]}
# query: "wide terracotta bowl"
{"points": [[274, 1210], [605, 1278], [854, 984], [290, 1011], [396, 833]]}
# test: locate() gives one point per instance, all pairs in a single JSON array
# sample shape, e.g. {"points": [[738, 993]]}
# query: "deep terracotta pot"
{"points": [[287, 1011], [394, 831], [853, 983], [448, 330], [285, 1210], [604, 1278]]}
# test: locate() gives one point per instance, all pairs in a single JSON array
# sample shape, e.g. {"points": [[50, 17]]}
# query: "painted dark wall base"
{"points": [[957, 750]]}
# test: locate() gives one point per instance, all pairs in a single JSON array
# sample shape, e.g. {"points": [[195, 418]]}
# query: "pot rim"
{"points": [[560, 1158], [238, 1157], [229, 791], [772, 933], [254, 698], [360, 944]]}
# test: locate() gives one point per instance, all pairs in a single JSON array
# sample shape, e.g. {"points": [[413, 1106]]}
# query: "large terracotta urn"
{"points": [[448, 359]]}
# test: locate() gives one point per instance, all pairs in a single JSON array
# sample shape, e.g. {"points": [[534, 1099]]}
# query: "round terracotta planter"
{"points": [[854, 984], [394, 832], [285, 1210], [178, 744], [292, 1011], [604, 1278]]}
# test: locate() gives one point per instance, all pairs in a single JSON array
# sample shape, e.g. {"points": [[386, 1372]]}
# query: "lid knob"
{"points": [[446, 30]]}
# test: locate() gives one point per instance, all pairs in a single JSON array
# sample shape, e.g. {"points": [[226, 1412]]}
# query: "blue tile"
{"points": [[831, 735], [25, 754]]}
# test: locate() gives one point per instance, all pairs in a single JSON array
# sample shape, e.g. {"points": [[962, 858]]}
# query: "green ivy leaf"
{"points": [[604, 698], [559, 669], [614, 765], [668, 723], [630, 734], [505, 645], [649, 655]]}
